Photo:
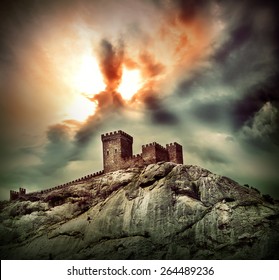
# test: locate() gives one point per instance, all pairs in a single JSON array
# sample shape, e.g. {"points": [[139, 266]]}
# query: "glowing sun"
{"points": [[131, 83], [81, 108], [89, 81], [89, 78]]}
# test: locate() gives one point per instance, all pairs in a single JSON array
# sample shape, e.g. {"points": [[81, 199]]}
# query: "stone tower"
{"points": [[175, 153], [116, 146]]}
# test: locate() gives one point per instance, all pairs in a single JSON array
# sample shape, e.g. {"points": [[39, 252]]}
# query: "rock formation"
{"points": [[161, 211]]}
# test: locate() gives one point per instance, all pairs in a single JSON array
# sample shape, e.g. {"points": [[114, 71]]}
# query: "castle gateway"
{"points": [[118, 152]]}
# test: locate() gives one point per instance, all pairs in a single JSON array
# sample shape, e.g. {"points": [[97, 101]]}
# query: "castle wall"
{"points": [[175, 153], [111, 155], [22, 192], [134, 161], [116, 146], [14, 195], [126, 147], [118, 154], [17, 194], [152, 153]]}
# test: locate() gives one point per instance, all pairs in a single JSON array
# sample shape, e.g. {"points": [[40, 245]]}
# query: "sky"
{"points": [[201, 73]]}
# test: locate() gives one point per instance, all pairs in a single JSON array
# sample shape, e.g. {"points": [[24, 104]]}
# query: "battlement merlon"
{"points": [[133, 157], [116, 146], [155, 144], [174, 144], [22, 191], [17, 194], [175, 152], [114, 135], [11, 191]]}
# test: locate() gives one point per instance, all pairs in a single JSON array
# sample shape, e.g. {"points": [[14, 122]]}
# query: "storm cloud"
{"points": [[210, 82]]}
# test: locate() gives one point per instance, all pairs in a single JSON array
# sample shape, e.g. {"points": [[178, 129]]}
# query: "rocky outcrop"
{"points": [[162, 211]]}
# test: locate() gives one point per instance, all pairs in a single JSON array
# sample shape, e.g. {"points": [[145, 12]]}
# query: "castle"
{"points": [[117, 155], [118, 152]]}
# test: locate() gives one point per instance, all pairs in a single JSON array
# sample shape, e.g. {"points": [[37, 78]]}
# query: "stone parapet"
{"points": [[118, 154]]}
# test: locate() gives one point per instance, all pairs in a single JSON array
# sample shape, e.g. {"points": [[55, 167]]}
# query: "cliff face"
{"points": [[162, 211]]}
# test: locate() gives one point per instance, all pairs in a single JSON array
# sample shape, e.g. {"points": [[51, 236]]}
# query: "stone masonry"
{"points": [[118, 152]]}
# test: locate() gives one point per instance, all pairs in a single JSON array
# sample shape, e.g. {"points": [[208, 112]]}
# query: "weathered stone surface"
{"points": [[162, 211]]}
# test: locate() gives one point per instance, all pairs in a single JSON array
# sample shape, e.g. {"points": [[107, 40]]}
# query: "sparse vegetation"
{"points": [[255, 189], [164, 219], [3, 204], [268, 198]]}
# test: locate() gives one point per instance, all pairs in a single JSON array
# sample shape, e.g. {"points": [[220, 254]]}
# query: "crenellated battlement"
{"points": [[22, 192], [155, 144], [14, 192], [137, 156], [17, 194], [173, 144], [118, 154], [175, 152], [108, 135]]}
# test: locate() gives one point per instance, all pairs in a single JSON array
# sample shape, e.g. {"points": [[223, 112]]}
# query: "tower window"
{"points": [[107, 152], [115, 150]]}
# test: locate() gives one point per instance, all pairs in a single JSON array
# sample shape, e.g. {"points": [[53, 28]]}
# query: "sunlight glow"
{"points": [[88, 81], [81, 109], [89, 78], [130, 84]]}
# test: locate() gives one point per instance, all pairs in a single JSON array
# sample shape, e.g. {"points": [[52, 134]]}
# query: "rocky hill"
{"points": [[162, 211]]}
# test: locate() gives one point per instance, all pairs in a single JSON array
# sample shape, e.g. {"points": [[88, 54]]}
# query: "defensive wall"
{"points": [[118, 154], [22, 192]]}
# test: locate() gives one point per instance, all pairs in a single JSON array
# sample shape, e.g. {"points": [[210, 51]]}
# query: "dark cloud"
{"points": [[249, 53], [58, 133], [191, 9], [186, 88], [151, 68], [222, 102], [111, 64], [262, 130], [106, 100], [244, 108], [209, 113], [58, 151], [152, 101], [87, 131], [111, 60], [238, 37], [160, 114], [164, 117], [207, 154]]}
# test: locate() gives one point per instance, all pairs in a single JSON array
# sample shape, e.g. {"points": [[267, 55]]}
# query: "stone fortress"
{"points": [[117, 155], [118, 152]]}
